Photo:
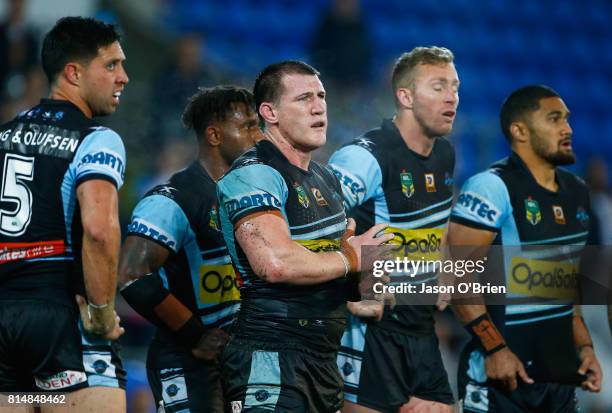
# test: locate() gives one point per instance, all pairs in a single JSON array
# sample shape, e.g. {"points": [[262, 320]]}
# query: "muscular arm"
{"points": [[472, 243], [589, 366], [276, 258], [500, 363], [101, 237], [139, 258]]}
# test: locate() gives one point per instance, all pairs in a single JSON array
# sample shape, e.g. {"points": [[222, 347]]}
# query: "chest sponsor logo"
{"points": [[558, 214], [430, 183], [545, 279], [319, 197], [61, 380], [407, 184], [301, 194], [251, 200], [478, 205], [417, 244], [532, 211], [320, 245], [582, 216], [218, 284]]}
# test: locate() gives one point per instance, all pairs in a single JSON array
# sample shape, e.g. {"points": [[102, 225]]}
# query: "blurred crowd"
{"points": [[341, 47]]}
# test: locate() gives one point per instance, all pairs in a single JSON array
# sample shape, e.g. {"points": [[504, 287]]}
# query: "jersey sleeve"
{"points": [[483, 202], [359, 174], [160, 219], [250, 189], [101, 155]]}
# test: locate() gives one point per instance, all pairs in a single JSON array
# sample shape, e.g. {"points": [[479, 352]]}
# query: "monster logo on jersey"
{"points": [[532, 211], [407, 183], [558, 214], [430, 183], [302, 197]]}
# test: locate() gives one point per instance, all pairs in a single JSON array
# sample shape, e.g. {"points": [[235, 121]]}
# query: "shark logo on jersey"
{"points": [[213, 221], [582, 216], [448, 179], [532, 211], [407, 183], [558, 214], [302, 197]]}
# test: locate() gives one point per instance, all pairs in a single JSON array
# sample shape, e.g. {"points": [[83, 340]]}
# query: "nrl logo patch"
{"points": [[213, 221], [532, 211], [407, 184], [302, 197]]}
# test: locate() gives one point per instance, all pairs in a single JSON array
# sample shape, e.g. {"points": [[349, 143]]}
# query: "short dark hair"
{"points": [[213, 104], [74, 38], [520, 102], [268, 84]]}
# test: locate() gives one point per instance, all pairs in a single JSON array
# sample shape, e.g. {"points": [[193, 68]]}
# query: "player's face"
{"points": [[103, 80], [550, 133], [239, 132], [302, 112], [436, 97]]}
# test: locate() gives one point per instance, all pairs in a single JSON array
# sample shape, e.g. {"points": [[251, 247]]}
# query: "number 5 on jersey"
{"points": [[15, 196]]}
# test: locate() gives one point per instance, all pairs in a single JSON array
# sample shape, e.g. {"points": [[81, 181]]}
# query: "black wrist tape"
{"points": [[191, 332], [486, 334], [144, 294]]}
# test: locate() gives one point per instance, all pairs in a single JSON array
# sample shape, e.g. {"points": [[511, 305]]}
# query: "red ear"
{"points": [[267, 111], [71, 73]]}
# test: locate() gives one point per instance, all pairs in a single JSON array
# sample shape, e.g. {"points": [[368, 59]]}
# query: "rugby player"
{"points": [[283, 219], [178, 266], [402, 173], [527, 356], [59, 225]]}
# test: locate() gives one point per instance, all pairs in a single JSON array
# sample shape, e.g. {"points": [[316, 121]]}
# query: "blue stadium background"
{"points": [[499, 45]]}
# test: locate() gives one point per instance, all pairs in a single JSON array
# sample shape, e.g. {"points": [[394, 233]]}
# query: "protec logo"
{"points": [[478, 205], [145, 228]]}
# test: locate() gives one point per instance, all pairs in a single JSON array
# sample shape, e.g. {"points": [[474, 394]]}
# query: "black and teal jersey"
{"points": [[310, 202], [540, 235], [182, 216], [45, 154], [384, 181]]}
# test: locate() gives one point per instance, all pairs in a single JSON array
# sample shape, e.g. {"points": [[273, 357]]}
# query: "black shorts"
{"points": [[182, 382], [479, 396], [257, 378], [42, 348], [382, 369]]}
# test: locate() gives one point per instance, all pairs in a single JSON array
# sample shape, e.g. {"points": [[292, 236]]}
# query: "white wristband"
{"points": [[345, 261]]}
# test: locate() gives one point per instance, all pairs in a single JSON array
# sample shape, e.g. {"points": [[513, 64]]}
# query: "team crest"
{"points": [[558, 214], [302, 197], [407, 183], [213, 220], [448, 179], [583, 217], [533, 213], [319, 197], [430, 183]]}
